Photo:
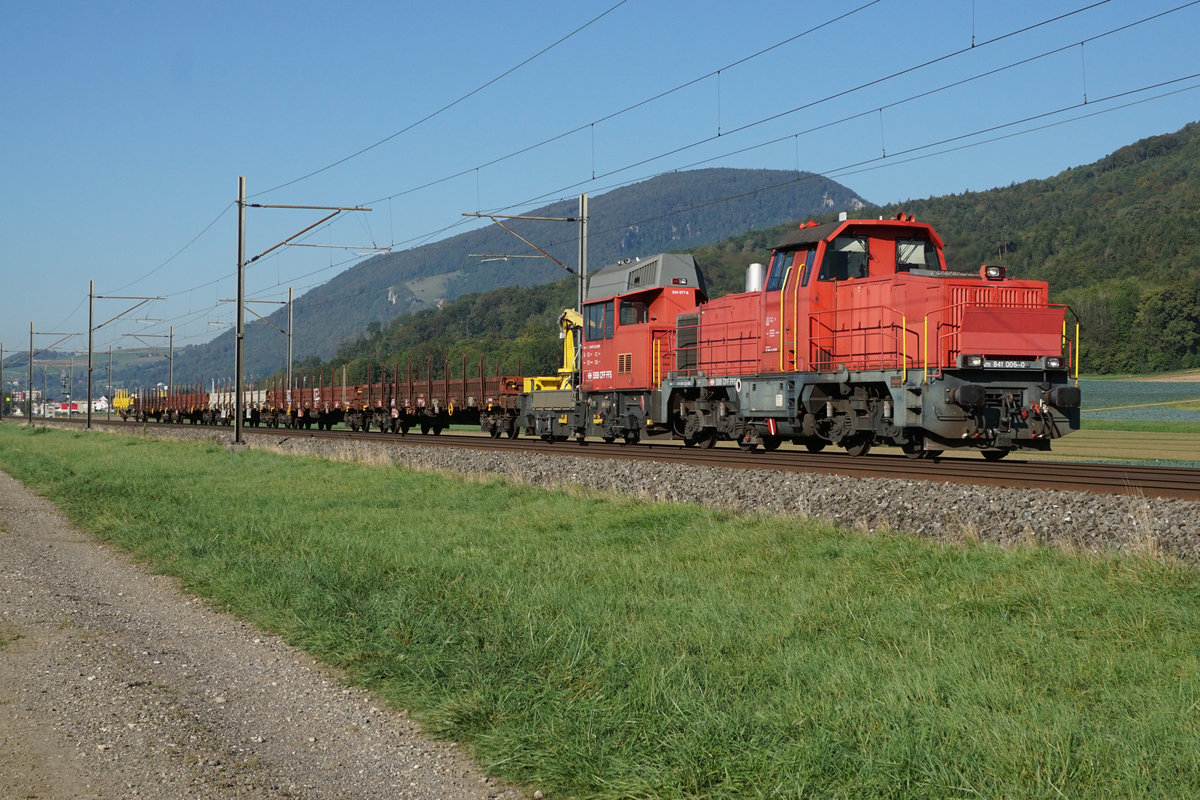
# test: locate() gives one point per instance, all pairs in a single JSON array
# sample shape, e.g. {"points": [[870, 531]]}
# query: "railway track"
{"points": [[1123, 479]]}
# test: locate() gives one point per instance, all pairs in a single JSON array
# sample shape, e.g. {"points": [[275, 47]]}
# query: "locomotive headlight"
{"points": [[973, 361], [992, 272], [1054, 362]]}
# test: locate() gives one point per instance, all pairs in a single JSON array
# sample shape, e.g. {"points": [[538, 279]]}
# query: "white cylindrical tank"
{"points": [[756, 275]]}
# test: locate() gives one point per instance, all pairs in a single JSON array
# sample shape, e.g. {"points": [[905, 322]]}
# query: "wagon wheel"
{"points": [[424, 427], [609, 439], [913, 449], [748, 447], [514, 432], [858, 447], [814, 445], [771, 442], [994, 455], [494, 431], [707, 440]]}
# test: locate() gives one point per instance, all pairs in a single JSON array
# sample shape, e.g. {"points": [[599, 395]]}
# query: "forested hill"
{"points": [[1118, 240], [680, 211]]}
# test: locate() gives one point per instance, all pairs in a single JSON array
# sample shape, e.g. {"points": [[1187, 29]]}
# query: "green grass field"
{"points": [[603, 647]]}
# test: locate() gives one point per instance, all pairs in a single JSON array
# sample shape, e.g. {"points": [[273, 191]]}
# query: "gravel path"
{"points": [[116, 684]]}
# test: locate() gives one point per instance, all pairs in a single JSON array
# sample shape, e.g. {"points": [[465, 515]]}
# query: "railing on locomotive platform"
{"points": [[948, 330], [864, 338], [869, 338], [663, 360]]}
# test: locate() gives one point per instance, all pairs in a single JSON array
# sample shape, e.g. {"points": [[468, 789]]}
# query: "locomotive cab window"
{"points": [[781, 264], [916, 254], [598, 321], [634, 312], [844, 259], [809, 257]]}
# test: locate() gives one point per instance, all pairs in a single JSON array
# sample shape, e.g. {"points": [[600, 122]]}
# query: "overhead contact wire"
{"points": [[449, 105]]}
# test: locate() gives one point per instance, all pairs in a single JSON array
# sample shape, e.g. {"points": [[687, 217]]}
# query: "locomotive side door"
{"points": [[785, 307], [844, 259], [598, 359], [773, 343], [633, 342]]}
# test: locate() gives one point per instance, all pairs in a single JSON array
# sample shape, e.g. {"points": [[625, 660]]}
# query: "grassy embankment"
{"points": [[606, 647]]}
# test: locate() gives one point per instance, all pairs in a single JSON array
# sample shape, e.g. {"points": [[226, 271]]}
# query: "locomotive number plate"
{"points": [[1006, 365]]}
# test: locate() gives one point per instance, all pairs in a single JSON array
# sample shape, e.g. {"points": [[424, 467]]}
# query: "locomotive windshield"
{"points": [[781, 262], [598, 321], [845, 258], [781, 265], [915, 254], [634, 312]]}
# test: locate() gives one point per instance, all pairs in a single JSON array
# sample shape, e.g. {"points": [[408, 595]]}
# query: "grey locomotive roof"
{"points": [[634, 275], [810, 235]]}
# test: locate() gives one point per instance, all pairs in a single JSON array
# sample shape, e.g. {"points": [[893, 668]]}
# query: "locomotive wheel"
{"points": [[771, 442], [994, 455], [814, 445], [858, 447]]}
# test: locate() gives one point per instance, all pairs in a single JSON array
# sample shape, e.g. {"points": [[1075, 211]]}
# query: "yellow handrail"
{"points": [[782, 305], [925, 336], [656, 369], [796, 310]]}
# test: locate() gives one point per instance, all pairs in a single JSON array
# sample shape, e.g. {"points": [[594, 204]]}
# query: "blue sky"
{"points": [[125, 125]]}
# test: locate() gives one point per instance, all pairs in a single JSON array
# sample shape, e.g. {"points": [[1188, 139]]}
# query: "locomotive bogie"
{"points": [[1002, 411], [560, 415], [500, 422]]}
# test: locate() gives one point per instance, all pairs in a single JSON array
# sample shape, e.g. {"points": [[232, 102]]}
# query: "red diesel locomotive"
{"points": [[854, 334]]}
